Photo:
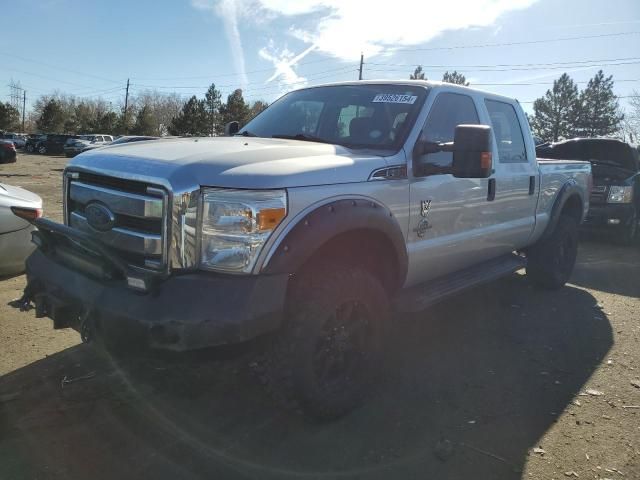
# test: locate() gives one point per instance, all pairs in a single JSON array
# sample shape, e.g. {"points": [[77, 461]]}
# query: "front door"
{"points": [[452, 220]]}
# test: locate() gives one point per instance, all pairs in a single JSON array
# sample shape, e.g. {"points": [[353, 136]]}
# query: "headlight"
{"points": [[620, 194], [236, 224]]}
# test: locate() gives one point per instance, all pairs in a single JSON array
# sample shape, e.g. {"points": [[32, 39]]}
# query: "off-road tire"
{"points": [[550, 262], [315, 336]]}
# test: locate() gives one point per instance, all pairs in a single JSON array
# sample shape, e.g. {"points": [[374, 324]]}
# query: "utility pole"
{"points": [[126, 104], [361, 64], [24, 105]]}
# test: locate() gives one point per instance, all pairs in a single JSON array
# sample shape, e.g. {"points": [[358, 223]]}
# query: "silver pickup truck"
{"points": [[308, 226]]}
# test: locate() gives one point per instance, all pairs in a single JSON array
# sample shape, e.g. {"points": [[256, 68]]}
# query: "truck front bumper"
{"points": [[609, 217], [184, 312]]}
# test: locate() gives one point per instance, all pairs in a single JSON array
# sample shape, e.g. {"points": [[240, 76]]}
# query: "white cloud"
{"points": [[229, 12], [347, 27], [284, 61]]}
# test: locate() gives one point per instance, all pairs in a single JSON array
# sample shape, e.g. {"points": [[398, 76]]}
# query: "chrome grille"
{"points": [[138, 229]]}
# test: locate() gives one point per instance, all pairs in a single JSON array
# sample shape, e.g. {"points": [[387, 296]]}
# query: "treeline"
{"points": [[566, 112], [148, 113]]}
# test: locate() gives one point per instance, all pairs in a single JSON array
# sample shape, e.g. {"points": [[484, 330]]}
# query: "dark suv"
{"points": [[53, 144], [615, 198]]}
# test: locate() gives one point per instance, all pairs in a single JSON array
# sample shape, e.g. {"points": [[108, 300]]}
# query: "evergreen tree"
{"points": [[9, 117], [455, 77], [145, 123], [257, 107], [599, 114], [556, 113], [236, 109], [192, 120], [52, 118], [213, 101], [106, 122], [417, 74]]}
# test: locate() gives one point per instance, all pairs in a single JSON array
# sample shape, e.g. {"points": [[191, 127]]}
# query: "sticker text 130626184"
{"points": [[394, 98]]}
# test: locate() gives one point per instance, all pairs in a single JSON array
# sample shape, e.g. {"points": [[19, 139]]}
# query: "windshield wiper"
{"points": [[245, 133], [302, 136]]}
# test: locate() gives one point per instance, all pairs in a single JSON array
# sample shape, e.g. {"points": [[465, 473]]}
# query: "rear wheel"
{"points": [[42, 149], [551, 261], [330, 350], [29, 148]]}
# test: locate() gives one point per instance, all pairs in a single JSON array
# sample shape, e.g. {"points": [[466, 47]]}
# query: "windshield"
{"points": [[356, 116]]}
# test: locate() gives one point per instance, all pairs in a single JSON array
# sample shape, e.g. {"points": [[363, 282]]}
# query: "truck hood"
{"points": [[234, 162]]}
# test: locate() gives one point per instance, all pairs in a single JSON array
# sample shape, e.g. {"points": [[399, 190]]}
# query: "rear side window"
{"points": [[448, 111], [507, 131]]}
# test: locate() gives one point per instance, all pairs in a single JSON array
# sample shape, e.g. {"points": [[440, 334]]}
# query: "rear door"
{"points": [[517, 185]]}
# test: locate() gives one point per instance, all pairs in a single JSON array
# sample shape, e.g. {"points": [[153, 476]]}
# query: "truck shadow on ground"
{"points": [[470, 387], [608, 267]]}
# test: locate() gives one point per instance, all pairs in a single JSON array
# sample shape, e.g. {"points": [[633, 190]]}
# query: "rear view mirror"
{"points": [[472, 152], [231, 128]]}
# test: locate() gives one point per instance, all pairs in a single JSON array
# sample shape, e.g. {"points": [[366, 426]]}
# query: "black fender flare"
{"points": [[568, 190], [330, 220]]}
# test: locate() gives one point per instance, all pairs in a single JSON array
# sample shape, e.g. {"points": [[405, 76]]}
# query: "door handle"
{"points": [[491, 194], [532, 184]]}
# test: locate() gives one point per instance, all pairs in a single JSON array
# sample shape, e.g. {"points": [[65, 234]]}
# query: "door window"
{"points": [[507, 131], [448, 111]]}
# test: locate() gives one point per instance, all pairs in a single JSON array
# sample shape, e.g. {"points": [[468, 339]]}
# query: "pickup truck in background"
{"points": [[615, 197], [306, 227]]}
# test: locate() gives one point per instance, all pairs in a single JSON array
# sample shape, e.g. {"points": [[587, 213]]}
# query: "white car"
{"points": [[17, 207]]}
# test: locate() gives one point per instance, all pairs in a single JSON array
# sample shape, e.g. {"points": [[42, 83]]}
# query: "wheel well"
{"points": [[366, 248], [573, 208]]}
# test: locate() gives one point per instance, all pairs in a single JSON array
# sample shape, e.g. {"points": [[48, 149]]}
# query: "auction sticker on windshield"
{"points": [[394, 98]]}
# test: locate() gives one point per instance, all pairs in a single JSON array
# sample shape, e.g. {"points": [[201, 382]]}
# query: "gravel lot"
{"points": [[503, 382]]}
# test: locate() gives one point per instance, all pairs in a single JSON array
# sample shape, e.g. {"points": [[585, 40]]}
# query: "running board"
{"points": [[422, 296]]}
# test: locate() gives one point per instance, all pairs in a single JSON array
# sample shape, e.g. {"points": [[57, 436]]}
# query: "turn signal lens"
{"points": [[29, 214], [269, 218]]}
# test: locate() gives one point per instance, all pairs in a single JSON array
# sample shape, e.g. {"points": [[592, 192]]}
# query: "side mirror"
{"points": [[231, 128], [472, 152]]}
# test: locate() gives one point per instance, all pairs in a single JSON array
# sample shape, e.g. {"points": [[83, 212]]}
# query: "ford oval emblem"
{"points": [[99, 217]]}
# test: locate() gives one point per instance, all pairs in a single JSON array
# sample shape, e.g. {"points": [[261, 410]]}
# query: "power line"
{"points": [[55, 67], [595, 65], [194, 87], [567, 63], [509, 44]]}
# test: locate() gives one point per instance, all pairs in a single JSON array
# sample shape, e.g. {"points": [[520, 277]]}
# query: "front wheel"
{"points": [[29, 148], [42, 149], [550, 262], [331, 347]]}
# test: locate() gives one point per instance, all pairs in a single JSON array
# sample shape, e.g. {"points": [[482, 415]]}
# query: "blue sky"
{"points": [[90, 48]]}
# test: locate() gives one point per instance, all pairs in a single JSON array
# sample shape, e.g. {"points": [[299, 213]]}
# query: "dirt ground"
{"points": [[503, 382]]}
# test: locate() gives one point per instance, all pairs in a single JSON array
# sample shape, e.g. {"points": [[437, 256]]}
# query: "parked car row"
{"points": [[18, 139], [75, 146]]}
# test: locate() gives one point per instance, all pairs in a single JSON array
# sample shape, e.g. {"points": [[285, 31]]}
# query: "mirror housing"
{"points": [[231, 128], [472, 152]]}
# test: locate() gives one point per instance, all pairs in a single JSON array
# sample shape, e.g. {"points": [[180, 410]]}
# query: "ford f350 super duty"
{"points": [[309, 224]]}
